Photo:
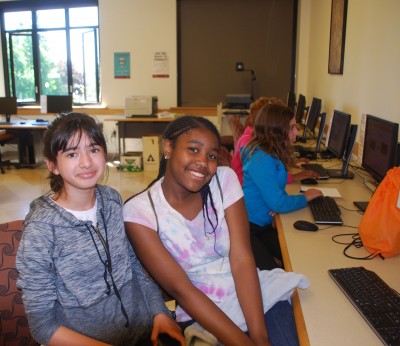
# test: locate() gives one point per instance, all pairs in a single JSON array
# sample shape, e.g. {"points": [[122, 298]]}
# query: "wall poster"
{"points": [[122, 65], [338, 36]]}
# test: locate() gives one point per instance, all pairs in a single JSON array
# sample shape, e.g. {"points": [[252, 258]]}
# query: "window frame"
{"points": [[26, 5]]}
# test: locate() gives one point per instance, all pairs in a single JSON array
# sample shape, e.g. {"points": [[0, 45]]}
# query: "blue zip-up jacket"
{"points": [[67, 279], [264, 184]]}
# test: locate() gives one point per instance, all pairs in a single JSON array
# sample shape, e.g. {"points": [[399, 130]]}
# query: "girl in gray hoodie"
{"points": [[81, 281]]}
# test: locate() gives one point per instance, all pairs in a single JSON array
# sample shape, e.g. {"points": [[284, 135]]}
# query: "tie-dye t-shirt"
{"points": [[204, 254]]}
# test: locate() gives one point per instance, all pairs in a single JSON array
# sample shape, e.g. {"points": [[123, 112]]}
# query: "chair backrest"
{"points": [[14, 328]]}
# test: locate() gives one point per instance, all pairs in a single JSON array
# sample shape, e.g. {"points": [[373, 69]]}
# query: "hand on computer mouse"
{"points": [[309, 181], [306, 174]]}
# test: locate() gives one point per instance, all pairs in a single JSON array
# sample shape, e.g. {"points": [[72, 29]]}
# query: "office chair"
{"points": [[14, 328], [4, 138]]}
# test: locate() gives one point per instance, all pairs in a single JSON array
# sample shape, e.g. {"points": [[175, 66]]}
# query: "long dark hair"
{"points": [[174, 130], [61, 130], [271, 133]]}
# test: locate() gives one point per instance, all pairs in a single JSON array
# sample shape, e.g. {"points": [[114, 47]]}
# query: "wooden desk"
{"points": [[30, 141], [138, 127], [324, 315]]}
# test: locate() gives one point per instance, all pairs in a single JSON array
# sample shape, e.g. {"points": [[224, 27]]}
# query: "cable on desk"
{"points": [[357, 243], [355, 210]]}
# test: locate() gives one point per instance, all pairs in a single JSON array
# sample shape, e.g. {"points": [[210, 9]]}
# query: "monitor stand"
{"points": [[8, 120], [361, 205], [340, 174]]}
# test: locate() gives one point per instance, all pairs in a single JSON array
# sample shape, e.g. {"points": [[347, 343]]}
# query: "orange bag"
{"points": [[379, 228]]}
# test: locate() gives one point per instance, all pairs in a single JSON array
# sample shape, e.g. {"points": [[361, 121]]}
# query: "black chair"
{"points": [[5, 138]]}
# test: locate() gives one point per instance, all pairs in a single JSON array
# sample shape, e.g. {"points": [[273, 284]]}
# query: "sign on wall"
{"points": [[161, 65], [122, 65]]}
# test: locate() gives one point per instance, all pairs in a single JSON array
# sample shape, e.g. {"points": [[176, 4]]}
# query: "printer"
{"points": [[141, 106]]}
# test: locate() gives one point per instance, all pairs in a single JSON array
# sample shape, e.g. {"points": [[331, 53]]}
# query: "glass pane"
{"points": [[53, 62], [84, 63], [50, 19], [18, 20], [22, 58], [83, 16]]}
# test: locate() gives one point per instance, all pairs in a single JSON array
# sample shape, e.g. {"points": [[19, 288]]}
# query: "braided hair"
{"points": [[174, 130]]}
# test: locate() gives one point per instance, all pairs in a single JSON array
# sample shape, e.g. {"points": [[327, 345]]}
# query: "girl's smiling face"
{"points": [[192, 159], [81, 165]]}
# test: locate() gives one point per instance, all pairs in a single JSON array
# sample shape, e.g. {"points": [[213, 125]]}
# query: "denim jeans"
{"points": [[281, 325]]}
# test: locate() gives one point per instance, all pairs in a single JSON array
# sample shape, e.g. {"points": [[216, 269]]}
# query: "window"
{"points": [[51, 51]]}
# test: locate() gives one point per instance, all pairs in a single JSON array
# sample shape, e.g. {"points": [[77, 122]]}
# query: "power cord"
{"points": [[357, 243]]}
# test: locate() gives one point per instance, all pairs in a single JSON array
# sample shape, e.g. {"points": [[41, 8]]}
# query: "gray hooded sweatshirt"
{"points": [[85, 279]]}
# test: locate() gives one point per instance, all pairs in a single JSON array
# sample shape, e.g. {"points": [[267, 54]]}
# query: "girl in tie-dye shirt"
{"points": [[190, 230]]}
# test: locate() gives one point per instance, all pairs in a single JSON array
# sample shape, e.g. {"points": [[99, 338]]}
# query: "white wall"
{"points": [[371, 74], [141, 28]]}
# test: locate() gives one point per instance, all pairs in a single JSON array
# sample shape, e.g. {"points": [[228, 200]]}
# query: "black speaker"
{"points": [[351, 140], [344, 172], [397, 163], [320, 132]]}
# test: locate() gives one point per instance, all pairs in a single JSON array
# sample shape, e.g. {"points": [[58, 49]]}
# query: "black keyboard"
{"points": [[305, 152], [237, 112], [374, 299], [325, 211], [321, 170]]}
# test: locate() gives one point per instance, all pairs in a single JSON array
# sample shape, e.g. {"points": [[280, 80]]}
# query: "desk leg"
{"points": [[121, 135], [30, 148]]}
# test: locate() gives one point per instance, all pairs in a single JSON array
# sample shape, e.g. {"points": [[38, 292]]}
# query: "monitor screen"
{"points": [[380, 145], [313, 114], [8, 105], [339, 133], [301, 106], [291, 100], [56, 103]]}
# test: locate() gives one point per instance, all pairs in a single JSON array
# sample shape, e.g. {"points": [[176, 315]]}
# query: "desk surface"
{"points": [[324, 315], [141, 120], [24, 124]]}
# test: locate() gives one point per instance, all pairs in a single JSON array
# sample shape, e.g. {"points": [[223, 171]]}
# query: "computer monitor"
{"points": [[309, 152], [56, 104], [380, 145], [341, 143], [312, 118], [8, 106], [301, 106], [338, 133], [291, 100]]}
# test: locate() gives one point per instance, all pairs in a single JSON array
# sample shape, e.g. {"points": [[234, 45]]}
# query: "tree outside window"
{"points": [[53, 52]]}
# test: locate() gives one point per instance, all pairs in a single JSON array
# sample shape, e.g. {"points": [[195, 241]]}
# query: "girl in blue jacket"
{"points": [[266, 160]]}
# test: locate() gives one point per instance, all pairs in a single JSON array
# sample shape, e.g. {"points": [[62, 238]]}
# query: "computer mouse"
{"points": [[22, 122], [309, 181], [303, 225]]}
